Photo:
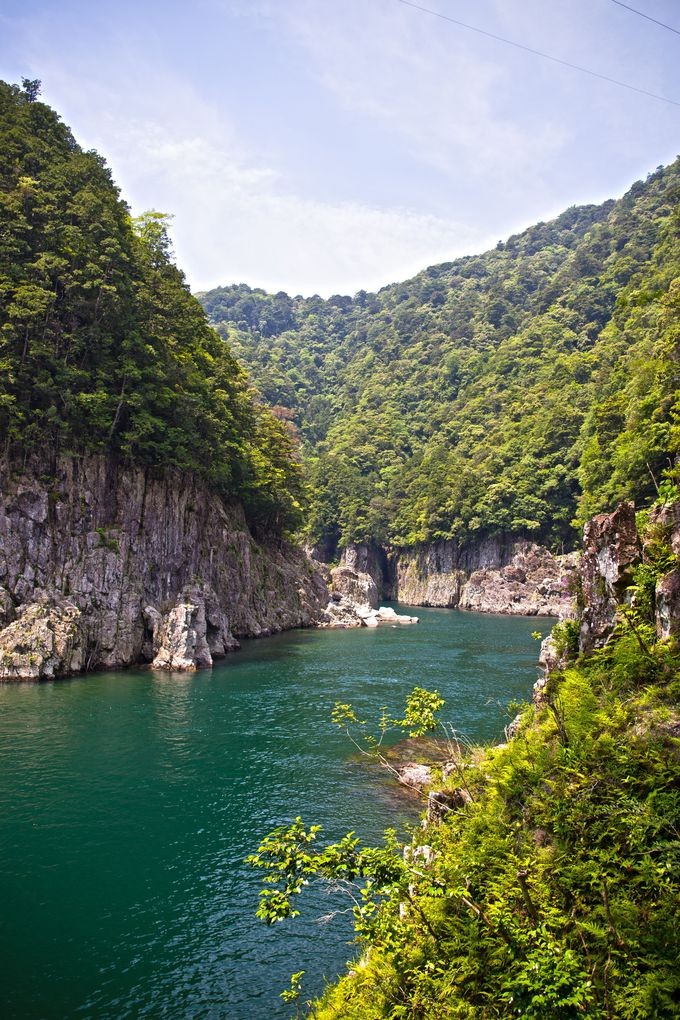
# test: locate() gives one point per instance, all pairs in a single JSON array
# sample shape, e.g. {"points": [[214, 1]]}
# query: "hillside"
{"points": [[145, 491], [513, 392], [102, 347]]}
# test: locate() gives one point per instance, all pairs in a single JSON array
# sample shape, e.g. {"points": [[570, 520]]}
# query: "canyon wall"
{"points": [[496, 575], [103, 566]]}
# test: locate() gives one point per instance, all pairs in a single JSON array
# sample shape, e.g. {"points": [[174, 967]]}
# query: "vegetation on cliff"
{"points": [[513, 391], [546, 882], [102, 346]]}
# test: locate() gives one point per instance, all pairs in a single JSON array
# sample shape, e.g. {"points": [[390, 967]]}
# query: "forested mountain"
{"points": [[517, 391], [102, 346]]}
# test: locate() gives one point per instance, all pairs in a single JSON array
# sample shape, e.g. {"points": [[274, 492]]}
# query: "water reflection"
{"points": [[173, 695]]}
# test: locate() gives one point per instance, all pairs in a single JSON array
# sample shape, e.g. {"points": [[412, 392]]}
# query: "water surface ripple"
{"points": [[128, 802]]}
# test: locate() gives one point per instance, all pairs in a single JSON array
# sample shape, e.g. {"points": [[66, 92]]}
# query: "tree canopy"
{"points": [[517, 391], [102, 346]]}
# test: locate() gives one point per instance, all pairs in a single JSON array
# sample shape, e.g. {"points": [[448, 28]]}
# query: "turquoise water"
{"points": [[129, 800]]}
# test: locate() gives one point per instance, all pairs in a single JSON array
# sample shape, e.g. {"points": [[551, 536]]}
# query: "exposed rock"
{"points": [[550, 657], [423, 854], [183, 637], [541, 837], [534, 583], [667, 516], [45, 642], [440, 802], [342, 612], [414, 775], [493, 576], [668, 605], [153, 624], [385, 614], [611, 550], [122, 544], [7, 613], [356, 586], [539, 691], [368, 558], [513, 727], [453, 767]]}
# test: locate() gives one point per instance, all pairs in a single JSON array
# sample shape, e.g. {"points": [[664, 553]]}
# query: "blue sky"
{"points": [[331, 145]]}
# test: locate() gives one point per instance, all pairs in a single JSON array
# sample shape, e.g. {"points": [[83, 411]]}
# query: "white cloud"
{"points": [[421, 78], [236, 222], [318, 247], [450, 134]]}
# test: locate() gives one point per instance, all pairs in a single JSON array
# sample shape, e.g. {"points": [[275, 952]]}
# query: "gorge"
{"points": [[176, 475]]}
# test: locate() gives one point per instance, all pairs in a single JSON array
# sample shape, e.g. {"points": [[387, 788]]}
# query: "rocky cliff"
{"points": [[103, 566], [496, 575], [612, 548]]}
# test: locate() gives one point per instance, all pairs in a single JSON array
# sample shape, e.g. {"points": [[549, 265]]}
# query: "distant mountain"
{"points": [[518, 391]]}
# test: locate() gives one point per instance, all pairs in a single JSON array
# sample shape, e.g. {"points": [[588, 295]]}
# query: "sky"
{"points": [[328, 146]]}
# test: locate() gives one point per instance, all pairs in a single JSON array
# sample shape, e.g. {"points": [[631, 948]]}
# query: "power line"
{"points": [[647, 16], [538, 53]]}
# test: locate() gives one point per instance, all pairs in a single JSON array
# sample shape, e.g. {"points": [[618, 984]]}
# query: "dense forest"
{"points": [[102, 346], [517, 391]]}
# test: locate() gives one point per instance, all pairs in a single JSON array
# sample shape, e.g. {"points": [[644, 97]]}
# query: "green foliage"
{"points": [[517, 391], [293, 993], [565, 637], [102, 346], [420, 717], [290, 861], [552, 890]]}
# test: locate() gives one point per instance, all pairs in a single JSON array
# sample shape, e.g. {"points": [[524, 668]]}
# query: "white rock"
{"points": [[183, 644]]}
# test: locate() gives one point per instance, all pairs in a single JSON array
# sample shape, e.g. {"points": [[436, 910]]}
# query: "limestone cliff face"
{"points": [[497, 575], [611, 549], [114, 566], [667, 518]]}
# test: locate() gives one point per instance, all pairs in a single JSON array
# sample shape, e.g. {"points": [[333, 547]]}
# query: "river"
{"points": [[129, 800]]}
